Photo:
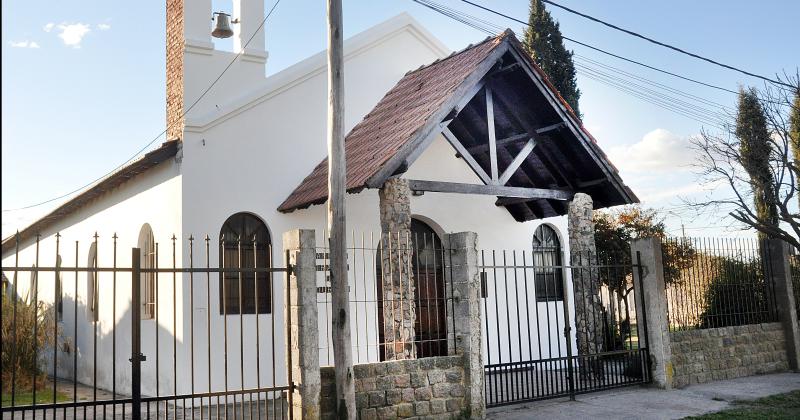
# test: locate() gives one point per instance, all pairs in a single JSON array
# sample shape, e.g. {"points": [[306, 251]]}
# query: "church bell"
{"points": [[223, 27]]}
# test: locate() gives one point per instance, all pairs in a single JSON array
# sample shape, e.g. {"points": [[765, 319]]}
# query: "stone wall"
{"points": [[724, 353], [397, 274], [432, 388]]}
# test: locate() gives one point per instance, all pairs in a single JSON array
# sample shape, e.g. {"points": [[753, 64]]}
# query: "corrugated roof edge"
{"points": [[125, 174]]}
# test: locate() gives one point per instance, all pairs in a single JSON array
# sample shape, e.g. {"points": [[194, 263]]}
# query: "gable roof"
{"points": [[123, 175], [388, 139]]}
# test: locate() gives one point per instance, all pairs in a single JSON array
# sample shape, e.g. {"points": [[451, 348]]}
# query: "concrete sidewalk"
{"points": [[650, 403]]}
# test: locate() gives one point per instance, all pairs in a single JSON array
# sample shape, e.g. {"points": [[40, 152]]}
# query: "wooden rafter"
{"points": [[514, 165], [490, 130], [453, 140]]}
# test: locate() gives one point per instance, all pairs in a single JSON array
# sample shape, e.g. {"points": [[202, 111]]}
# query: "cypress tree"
{"points": [[754, 148], [544, 43], [794, 138]]}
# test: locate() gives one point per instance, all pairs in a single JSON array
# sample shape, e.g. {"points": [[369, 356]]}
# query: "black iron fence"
{"points": [[554, 330], [717, 282], [143, 333], [794, 266], [400, 297]]}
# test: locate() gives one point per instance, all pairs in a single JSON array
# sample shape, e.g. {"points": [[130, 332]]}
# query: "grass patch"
{"points": [[776, 407], [43, 396]]}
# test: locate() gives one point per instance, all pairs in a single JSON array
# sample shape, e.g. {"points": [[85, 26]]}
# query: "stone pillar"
{"points": [[465, 286], [651, 308], [397, 277], [585, 284], [301, 315], [778, 253]]}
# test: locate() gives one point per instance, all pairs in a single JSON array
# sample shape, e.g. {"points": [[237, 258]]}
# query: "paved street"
{"points": [[649, 403]]}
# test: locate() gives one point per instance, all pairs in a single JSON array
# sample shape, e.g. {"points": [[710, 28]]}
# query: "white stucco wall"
{"points": [[251, 154], [153, 198], [246, 153], [266, 142]]}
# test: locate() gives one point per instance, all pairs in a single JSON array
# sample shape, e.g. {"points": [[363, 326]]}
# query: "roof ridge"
{"points": [[498, 37]]}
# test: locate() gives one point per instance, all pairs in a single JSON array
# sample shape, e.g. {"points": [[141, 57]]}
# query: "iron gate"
{"points": [[135, 340], [553, 330]]}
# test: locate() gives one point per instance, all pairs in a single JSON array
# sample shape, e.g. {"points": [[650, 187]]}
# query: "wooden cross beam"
{"points": [[496, 190], [453, 140], [521, 156]]}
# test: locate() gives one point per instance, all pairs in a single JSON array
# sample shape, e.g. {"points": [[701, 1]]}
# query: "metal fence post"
{"points": [[136, 343]]}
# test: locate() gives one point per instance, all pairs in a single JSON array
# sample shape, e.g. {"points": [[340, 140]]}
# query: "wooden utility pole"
{"points": [[337, 170]]}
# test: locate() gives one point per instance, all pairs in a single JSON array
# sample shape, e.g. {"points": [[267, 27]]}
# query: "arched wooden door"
{"points": [[430, 324]]}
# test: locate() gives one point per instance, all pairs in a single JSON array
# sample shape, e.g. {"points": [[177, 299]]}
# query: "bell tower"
{"points": [[193, 62]]}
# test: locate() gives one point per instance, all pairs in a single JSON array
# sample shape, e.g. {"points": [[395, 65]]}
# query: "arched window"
{"points": [[147, 246], [245, 242], [546, 258], [91, 284]]}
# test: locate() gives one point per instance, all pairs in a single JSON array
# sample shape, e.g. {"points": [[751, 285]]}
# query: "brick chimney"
{"points": [[175, 41], [193, 61]]}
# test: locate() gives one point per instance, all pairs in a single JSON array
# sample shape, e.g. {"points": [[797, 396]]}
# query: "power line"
{"points": [[662, 44], [665, 101], [661, 85], [600, 50], [264, 21]]}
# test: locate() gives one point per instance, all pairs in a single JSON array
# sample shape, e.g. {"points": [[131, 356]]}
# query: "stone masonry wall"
{"points": [[397, 274], [724, 353], [428, 388]]}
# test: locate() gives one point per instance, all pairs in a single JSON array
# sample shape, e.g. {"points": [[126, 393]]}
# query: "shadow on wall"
{"points": [[90, 354]]}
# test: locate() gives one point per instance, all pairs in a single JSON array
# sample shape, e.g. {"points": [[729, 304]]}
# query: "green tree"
{"points": [[613, 232], [755, 150], [544, 43], [794, 134]]}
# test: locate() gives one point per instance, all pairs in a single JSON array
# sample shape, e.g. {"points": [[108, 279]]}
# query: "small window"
{"points": [[245, 243], [91, 284], [546, 260], [147, 246], [59, 298]]}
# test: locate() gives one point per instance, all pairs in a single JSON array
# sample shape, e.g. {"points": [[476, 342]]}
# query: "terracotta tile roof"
{"points": [[399, 117], [395, 120]]}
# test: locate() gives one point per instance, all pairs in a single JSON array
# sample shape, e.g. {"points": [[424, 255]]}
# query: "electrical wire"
{"points": [[600, 50], [662, 44], [205, 92], [631, 87]]}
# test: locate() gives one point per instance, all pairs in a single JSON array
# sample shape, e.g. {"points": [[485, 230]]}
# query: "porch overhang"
{"points": [[500, 114]]}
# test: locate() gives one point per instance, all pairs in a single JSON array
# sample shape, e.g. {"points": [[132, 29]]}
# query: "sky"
{"points": [[83, 83]]}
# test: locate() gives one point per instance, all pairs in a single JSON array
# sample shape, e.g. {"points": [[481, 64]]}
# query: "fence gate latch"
{"points": [[140, 358]]}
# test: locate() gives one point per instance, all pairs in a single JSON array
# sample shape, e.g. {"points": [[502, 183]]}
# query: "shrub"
{"points": [[736, 295], [19, 355]]}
